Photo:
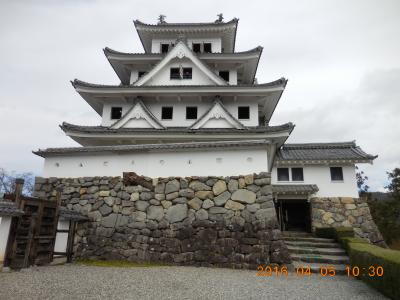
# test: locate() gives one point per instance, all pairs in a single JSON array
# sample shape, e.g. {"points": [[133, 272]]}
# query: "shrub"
{"points": [[363, 255], [342, 232], [334, 232], [325, 232]]}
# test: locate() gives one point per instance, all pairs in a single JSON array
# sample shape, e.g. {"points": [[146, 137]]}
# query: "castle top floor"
{"points": [[212, 37]]}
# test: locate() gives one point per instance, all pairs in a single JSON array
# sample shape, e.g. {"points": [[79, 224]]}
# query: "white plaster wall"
{"points": [[215, 43], [5, 222], [134, 76], [162, 77], [179, 113], [156, 164], [321, 176], [61, 237]]}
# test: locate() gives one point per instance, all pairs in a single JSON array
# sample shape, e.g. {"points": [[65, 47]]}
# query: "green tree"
{"points": [[361, 181], [394, 185]]}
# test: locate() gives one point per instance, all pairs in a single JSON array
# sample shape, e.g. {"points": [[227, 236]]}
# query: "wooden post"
{"points": [[19, 185], [56, 217], [29, 243], [70, 241]]}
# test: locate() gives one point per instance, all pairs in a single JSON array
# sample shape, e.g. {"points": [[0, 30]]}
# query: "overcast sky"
{"points": [[342, 59]]}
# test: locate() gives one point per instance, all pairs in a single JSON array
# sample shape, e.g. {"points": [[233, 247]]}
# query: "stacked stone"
{"points": [[221, 221], [348, 212]]}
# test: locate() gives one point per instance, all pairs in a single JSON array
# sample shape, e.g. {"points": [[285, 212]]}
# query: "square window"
{"points": [[224, 75], [336, 173], [166, 113], [196, 48], [283, 174], [187, 73], [297, 174], [174, 73], [243, 112], [116, 113], [191, 112], [164, 48], [207, 48]]}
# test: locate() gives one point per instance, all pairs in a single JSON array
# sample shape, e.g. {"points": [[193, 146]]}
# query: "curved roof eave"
{"points": [[79, 83], [139, 26]]}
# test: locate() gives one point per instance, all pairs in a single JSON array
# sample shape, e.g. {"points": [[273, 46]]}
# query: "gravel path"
{"points": [[83, 282]]}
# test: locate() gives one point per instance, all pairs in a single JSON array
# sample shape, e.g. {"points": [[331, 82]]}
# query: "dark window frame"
{"points": [[207, 45], [173, 74], [116, 112], [187, 73], [188, 113], [336, 174], [197, 45], [241, 112], [279, 174], [164, 48], [164, 112], [224, 75], [296, 177]]}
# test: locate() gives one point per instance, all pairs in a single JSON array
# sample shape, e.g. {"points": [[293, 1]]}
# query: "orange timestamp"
{"points": [[324, 271]]}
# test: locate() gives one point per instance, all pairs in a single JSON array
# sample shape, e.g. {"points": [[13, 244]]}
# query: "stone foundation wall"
{"points": [[346, 211], [219, 221]]}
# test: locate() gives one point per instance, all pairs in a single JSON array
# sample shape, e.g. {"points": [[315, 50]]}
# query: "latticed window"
{"points": [[297, 174], [336, 173], [283, 174]]}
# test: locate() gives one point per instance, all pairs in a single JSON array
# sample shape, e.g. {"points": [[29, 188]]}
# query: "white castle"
{"points": [[190, 105]]}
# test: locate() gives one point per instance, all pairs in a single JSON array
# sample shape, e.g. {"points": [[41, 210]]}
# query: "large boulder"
{"points": [[199, 186], [222, 198], [244, 196], [176, 213], [155, 212], [172, 186], [219, 187]]}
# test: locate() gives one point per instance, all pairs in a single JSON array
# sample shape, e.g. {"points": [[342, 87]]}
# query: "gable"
{"points": [[178, 56], [138, 117], [163, 76], [217, 117]]}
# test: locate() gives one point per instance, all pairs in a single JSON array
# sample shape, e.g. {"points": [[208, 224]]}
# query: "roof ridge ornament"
{"points": [[220, 18], [161, 20]]}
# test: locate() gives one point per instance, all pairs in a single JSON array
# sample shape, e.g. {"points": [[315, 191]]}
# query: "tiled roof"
{"points": [[280, 82], [323, 151], [8, 208], [108, 50], [166, 24], [70, 215], [149, 147], [179, 130], [294, 188]]}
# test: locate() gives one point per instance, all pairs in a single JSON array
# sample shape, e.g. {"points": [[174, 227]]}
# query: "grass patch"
{"points": [[118, 263]]}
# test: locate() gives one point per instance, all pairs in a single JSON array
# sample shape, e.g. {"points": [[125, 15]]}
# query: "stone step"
{"points": [[315, 250], [312, 244], [296, 234], [316, 258], [315, 268], [308, 239]]}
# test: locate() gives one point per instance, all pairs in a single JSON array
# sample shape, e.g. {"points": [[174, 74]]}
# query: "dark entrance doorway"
{"points": [[294, 214]]}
